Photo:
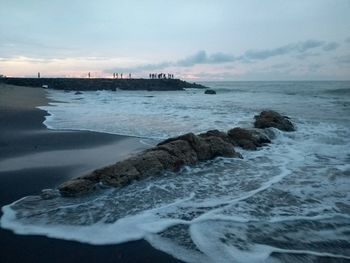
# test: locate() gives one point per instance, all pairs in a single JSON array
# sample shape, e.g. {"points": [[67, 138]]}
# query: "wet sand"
{"points": [[33, 158]]}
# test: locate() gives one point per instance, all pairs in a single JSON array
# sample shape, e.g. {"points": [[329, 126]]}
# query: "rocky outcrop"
{"points": [[170, 155], [249, 139], [267, 119], [210, 91]]}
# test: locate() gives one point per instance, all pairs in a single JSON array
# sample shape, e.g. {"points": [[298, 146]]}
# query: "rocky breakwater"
{"points": [[85, 84], [174, 153]]}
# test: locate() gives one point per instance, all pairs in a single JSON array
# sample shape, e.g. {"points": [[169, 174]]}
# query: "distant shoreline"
{"points": [[85, 84]]}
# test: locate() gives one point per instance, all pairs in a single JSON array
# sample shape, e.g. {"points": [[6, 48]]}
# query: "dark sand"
{"points": [[33, 158]]}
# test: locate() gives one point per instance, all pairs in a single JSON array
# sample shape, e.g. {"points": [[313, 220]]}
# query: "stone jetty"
{"points": [[85, 84]]}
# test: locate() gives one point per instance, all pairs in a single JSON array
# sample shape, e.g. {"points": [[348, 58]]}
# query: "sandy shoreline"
{"points": [[33, 158]]}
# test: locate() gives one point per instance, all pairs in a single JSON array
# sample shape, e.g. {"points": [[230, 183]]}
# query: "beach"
{"points": [[33, 158]]}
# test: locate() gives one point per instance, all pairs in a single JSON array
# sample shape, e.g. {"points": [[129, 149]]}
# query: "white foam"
{"points": [[137, 227], [142, 114]]}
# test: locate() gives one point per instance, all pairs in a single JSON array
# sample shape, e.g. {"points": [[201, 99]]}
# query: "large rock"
{"points": [[180, 149], [206, 145], [170, 155], [216, 133], [174, 153], [267, 119], [216, 147], [249, 139], [169, 161]]}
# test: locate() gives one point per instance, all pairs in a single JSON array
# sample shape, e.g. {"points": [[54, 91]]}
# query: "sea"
{"points": [[286, 202]]}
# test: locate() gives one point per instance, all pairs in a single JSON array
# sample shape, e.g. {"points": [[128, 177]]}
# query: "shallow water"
{"points": [[288, 202]]}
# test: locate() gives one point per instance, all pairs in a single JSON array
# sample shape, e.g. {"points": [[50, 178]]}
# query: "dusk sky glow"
{"points": [[193, 39]]}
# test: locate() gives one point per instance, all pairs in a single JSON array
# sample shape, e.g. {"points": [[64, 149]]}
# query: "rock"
{"points": [[268, 119], [216, 133], [206, 145], [190, 138], [78, 93], [76, 187], [181, 149], [146, 164], [169, 162], [119, 174], [210, 91], [173, 153], [218, 147], [248, 139], [170, 155]]}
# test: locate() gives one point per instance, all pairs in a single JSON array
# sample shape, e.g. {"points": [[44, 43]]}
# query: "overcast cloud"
{"points": [[301, 50], [232, 38]]}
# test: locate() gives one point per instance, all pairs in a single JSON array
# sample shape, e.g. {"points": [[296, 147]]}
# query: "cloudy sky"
{"points": [[193, 39]]}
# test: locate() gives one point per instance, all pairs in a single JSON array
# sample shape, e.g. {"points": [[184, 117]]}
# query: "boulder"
{"points": [[215, 133], [206, 145], [216, 147], [249, 139], [181, 149], [267, 119], [173, 153], [169, 162], [170, 155], [210, 91], [119, 174]]}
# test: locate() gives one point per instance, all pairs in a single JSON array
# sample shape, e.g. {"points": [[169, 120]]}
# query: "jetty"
{"points": [[85, 84]]}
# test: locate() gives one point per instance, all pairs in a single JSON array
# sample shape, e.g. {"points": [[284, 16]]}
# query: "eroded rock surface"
{"points": [[267, 119], [249, 139]]}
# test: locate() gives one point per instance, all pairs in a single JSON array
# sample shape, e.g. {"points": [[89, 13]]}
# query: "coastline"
{"points": [[33, 158]]}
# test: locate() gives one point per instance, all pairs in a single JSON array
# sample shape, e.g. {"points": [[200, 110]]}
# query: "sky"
{"points": [[192, 39]]}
